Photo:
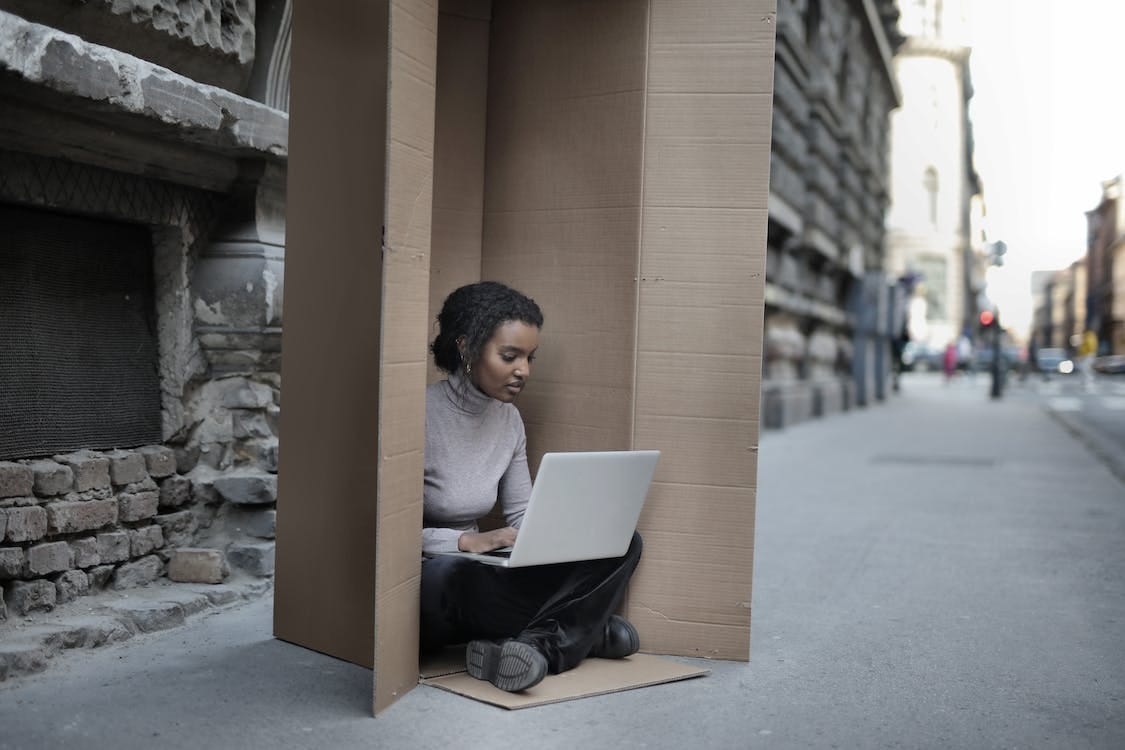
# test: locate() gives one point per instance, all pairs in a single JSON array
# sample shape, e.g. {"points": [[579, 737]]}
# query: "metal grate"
{"points": [[78, 350]]}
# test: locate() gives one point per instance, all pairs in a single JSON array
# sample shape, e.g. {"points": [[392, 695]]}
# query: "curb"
{"points": [[1094, 440], [30, 645]]}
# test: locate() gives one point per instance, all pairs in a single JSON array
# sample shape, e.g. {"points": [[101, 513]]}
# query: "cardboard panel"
{"points": [[700, 300], [652, 337], [561, 411], [683, 553], [608, 158], [402, 368], [325, 578], [462, 90], [695, 398], [562, 205], [585, 149], [580, 267], [567, 50], [625, 186], [718, 46]]}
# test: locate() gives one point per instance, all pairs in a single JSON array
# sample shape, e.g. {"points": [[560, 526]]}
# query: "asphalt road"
{"points": [[1094, 411]]}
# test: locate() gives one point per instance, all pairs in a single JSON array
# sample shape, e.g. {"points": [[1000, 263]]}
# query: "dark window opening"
{"points": [[79, 363]]}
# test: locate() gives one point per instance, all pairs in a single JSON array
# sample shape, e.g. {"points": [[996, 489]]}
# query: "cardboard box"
{"points": [[610, 159]]}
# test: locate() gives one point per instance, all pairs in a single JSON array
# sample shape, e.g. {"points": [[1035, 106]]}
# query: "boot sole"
{"points": [[511, 666]]}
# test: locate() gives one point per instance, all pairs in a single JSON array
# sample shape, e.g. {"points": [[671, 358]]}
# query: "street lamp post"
{"points": [[995, 258], [997, 373], [990, 329]]}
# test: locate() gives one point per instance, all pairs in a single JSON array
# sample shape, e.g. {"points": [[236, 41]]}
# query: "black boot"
{"points": [[618, 639], [571, 625], [509, 665]]}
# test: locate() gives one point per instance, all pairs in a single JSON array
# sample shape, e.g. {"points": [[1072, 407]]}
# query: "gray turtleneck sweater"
{"points": [[476, 452]]}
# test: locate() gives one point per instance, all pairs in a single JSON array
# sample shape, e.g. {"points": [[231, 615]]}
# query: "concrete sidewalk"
{"points": [[939, 571]]}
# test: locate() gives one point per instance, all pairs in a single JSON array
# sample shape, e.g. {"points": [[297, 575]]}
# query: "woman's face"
{"points": [[505, 361]]}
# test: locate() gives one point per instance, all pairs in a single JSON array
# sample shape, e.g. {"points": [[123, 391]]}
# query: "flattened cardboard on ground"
{"points": [[610, 158], [591, 677], [446, 670]]}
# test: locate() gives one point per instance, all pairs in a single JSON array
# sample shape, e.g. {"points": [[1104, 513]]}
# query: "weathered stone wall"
{"points": [[210, 41], [81, 522], [833, 90], [132, 111]]}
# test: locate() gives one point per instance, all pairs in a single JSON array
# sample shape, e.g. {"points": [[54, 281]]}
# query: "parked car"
{"points": [[1051, 360], [1011, 358], [1113, 364], [916, 356]]}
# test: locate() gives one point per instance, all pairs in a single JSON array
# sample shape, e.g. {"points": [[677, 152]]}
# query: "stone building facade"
{"points": [[1104, 302], [142, 188], [827, 309], [933, 234], [1089, 294], [1042, 320], [1059, 307]]}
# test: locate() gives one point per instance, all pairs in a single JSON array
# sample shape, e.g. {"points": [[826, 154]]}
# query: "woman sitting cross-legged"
{"points": [[520, 623]]}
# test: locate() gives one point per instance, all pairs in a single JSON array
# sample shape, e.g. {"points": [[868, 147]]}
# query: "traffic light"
{"points": [[987, 318]]}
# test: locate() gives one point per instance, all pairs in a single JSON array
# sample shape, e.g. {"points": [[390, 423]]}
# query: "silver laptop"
{"points": [[583, 506]]}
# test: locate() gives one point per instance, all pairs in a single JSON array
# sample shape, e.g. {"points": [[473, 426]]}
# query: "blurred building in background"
{"points": [[1105, 269], [934, 235], [826, 324], [1042, 320], [1059, 306], [1089, 294]]}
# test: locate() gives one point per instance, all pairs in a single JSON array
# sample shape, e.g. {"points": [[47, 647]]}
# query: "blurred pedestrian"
{"points": [[898, 349], [949, 361], [1086, 351], [965, 353], [1032, 364]]}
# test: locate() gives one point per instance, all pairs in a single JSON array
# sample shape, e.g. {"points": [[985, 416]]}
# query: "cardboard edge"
{"points": [[462, 684], [412, 27], [449, 661]]}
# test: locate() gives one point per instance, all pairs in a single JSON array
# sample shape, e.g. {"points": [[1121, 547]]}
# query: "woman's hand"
{"points": [[486, 541]]}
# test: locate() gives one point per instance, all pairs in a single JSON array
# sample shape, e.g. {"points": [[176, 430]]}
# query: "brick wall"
{"points": [[75, 524]]}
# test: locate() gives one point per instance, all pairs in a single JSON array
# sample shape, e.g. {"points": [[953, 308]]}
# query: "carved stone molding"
{"points": [[210, 41]]}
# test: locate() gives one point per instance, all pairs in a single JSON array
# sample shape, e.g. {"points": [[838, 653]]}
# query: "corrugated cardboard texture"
{"points": [[463, 30], [699, 333], [450, 660], [591, 677], [625, 175], [402, 368], [562, 205], [358, 247], [626, 181], [326, 568]]}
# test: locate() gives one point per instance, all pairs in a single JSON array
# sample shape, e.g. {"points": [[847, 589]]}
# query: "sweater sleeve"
{"points": [[438, 539], [515, 485]]}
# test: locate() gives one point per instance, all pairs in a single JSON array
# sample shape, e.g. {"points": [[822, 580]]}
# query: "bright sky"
{"points": [[1049, 124]]}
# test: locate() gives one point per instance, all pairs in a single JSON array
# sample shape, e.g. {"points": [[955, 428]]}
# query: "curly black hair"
{"points": [[475, 311]]}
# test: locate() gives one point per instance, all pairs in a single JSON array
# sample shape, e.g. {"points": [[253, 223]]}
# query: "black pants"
{"points": [[560, 609]]}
